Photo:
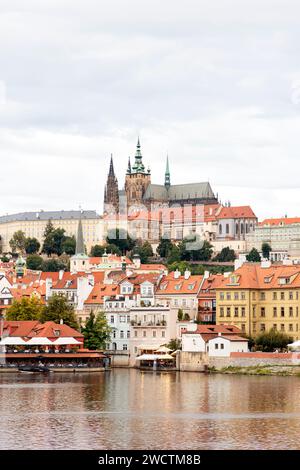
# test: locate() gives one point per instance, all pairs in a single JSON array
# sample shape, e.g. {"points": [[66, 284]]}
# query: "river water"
{"points": [[129, 409]]}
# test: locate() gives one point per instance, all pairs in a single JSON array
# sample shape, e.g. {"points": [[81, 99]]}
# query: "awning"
{"points": [[294, 345], [154, 357], [148, 347], [12, 341], [39, 341], [163, 349], [66, 341]]}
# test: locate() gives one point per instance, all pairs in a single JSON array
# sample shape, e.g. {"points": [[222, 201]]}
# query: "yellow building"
{"points": [[33, 224], [258, 297]]}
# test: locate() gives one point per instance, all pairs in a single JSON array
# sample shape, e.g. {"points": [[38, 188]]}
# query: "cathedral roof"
{"points": [[178, 192]]}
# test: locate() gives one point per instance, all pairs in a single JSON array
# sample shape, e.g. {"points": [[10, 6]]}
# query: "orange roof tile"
{"points": [[238, 212], [169, 285], [280, 221], [253, 276]]}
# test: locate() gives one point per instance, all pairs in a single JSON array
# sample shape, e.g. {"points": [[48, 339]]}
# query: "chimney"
{"points": [[91, 280], [238, 263], [61, 321], [177, 274], [187, 274], [206, 275], [265, 264], [48, 287], [60, 274], [137, 261]]}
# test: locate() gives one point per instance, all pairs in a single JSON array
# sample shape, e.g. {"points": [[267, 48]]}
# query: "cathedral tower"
{"points": [[111, 191], [137, 179]]}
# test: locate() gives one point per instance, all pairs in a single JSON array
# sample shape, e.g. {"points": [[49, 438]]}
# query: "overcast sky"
{"points": [[215, 84]]}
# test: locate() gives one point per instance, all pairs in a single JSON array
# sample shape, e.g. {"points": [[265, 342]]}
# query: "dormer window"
{"points": [[56, 332], [284, 280]]}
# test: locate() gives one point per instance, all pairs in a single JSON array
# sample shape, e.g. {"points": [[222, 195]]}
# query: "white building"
{"points": [[33, 225], [216, 340], [283, 235], [151, 327]]}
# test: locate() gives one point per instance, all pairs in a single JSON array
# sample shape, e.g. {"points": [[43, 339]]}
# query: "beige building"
{"points": [[259, 297], [283, 235], [33, 224]]}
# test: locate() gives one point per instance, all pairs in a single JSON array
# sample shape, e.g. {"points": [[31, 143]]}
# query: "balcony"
{"points": [[152, 324]]}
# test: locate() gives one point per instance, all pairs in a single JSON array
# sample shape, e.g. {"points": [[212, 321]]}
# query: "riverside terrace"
{"points": [[82, 360], [56, 346]]}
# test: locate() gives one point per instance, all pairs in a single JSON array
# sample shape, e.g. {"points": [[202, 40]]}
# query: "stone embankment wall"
{"points": [[119, 358], [255, 360], [192, 361]]}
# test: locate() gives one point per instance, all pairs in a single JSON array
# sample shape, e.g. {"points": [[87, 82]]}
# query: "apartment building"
{"points": [[258, 297], [33, 224]]}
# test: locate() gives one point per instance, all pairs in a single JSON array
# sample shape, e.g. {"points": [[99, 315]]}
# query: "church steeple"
{"points": [[111, 167], [138, 166], [167, 175], [80, 250], [129, 167], [111, 191]]}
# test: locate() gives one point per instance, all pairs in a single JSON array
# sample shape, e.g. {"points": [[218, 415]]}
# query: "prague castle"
{"points": [[139, 190]]}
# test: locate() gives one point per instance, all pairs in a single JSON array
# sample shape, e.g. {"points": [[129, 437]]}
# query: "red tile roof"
{"points": [[280, 221], [100, 291], [253, 276], [179, 286], [238, 212]]}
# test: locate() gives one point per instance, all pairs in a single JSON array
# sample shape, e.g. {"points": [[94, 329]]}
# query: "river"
{"points": [[129, 409]]}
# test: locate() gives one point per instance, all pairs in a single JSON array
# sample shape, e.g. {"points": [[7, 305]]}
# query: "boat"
{"points": [[34, 369]]}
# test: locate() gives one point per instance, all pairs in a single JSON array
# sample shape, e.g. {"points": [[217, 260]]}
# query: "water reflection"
{"points": [[125, 409]]}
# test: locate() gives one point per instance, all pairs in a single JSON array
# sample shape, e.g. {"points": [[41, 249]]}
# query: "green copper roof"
{"points": [[138, 166], [80, 250]]}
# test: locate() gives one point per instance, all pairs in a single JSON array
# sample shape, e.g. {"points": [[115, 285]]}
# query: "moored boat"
{"points": [[34, 369]]}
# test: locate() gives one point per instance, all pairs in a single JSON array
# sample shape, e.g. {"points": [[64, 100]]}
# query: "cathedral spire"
{"points": [[111, 191], [167, 175], [138, 166], [111, 167], [129, 167]]}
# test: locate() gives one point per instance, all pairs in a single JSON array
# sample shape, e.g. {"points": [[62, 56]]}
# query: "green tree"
{"points": [[96, 332], [121, 239], [271, 340], [5, 259], [145, 251], [180, 314], [266, 249], [58, 309], [32, 246], [34, 262], [53, 266], [179, 266], [48, 245], [226, 254], [97, 251], [69, 245], [194, 249], [253, 256], [174, 344], [174, 255], [18, 241], [58, 240], [164, 248], [27, 308]]}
